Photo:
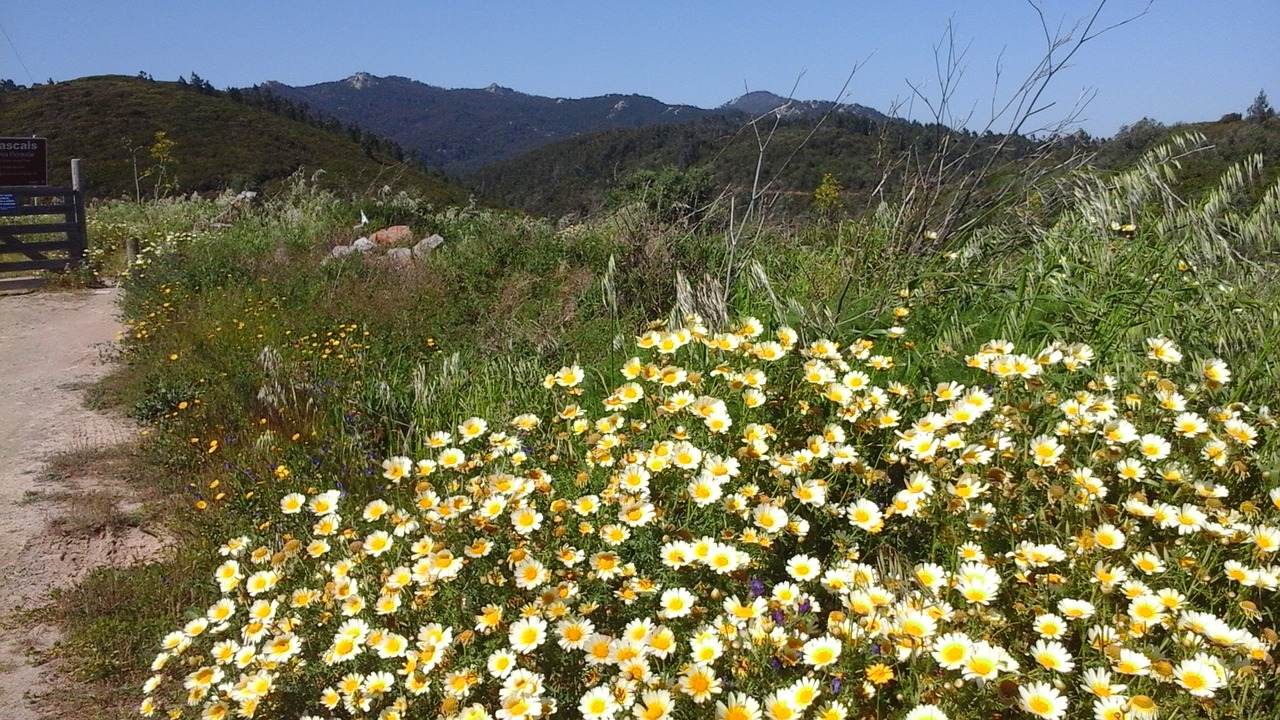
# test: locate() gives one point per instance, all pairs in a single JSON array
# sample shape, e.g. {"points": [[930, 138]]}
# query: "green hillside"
{"points": [[1227, 141], [219, 143], [576, 175]]}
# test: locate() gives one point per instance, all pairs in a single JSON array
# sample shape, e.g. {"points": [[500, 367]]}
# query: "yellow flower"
{"points": [[879, 674]]}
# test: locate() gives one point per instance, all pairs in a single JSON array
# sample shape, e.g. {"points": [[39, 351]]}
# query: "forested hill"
{"points": [[217, 142], [576, 175], [461, 129]]}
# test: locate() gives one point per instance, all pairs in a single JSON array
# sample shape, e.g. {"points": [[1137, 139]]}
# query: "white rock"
{"points": [[426, 245], [337, 252]]}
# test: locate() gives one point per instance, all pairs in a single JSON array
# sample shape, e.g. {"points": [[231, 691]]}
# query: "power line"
{"points": [[18, 55]]}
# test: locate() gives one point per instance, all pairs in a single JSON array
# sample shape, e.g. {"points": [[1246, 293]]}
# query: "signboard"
{"points": [[24, 161], [8, 201]]}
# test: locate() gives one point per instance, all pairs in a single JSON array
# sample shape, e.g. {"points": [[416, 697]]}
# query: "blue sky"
{"points": [[1184, 60]]}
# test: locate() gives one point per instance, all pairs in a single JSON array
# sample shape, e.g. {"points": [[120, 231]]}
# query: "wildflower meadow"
{"points": [[1030, 472], [750, 527]]}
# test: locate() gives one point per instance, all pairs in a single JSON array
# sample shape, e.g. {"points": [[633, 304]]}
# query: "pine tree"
{"points": [[1260, 110]]}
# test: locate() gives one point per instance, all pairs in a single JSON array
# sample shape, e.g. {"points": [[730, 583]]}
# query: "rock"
{"points": [[363, 244], [233, 208], [426, 245], [399, 257], [337, 252], [392, 235]]}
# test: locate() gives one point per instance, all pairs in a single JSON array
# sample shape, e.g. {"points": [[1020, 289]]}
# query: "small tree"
{"points": [[826, 199], [161, 151], [1260, 110]]}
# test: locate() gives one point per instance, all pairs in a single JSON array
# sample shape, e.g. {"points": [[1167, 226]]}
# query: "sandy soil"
{"points": [[52, 346]]}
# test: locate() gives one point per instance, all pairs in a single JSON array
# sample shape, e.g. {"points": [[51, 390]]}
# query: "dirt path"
{"points": [[52, 346]]}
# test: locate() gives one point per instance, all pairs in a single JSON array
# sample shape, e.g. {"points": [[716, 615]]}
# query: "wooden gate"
{"points": [[28, 216]]}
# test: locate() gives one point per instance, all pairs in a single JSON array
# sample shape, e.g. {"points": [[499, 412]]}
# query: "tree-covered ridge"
{"points": [[231, 139], [464, 129], [576, 175]]}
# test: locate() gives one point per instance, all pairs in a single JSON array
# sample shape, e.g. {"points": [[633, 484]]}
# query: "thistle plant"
{"points": [[749, 525]]}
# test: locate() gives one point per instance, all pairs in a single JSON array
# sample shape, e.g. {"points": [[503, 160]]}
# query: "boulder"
{"points": [[337, 252], [426, 245], [399, 257], [392, 235], [363, 244]]}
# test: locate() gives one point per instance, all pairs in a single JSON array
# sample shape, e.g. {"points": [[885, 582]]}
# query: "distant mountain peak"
{"points": [[497, 89], [763, 102], [362, 80], [757, 102]]}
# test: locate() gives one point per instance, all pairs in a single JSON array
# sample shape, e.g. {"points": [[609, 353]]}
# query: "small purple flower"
{"points": [[805, 606], [757, 588], [778, 616], [776, 663], [835, 685]]}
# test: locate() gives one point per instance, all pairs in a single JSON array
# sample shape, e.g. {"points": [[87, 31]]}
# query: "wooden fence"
{"points": [[42, 211]]}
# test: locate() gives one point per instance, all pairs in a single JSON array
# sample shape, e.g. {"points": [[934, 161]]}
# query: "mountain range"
{"points": [[253, 138], [462, 130]]}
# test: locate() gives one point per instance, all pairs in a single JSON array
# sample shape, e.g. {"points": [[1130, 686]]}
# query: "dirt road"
{"points": [[52, 346]]}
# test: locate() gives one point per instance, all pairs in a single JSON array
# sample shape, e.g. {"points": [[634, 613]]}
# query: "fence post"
{"points": [[81, 237]]}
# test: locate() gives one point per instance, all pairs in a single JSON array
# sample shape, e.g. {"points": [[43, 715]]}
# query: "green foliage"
{"points": [[224, 144], [161, 154], [114, 611], [469, 129], [826, 198], [1260, 110], [574, 176], [670, 194]]}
